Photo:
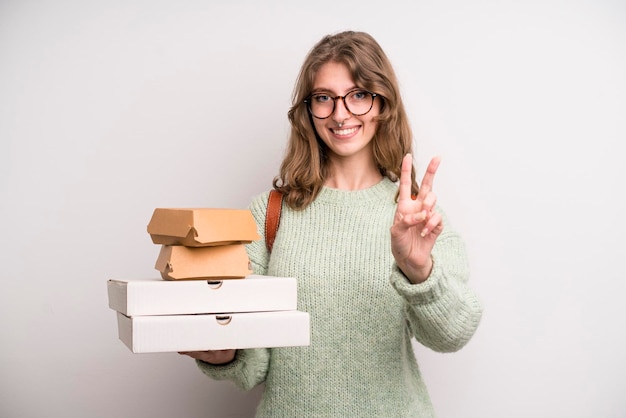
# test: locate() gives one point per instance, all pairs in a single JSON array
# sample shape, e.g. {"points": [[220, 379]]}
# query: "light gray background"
{"points": [[110, 109]]}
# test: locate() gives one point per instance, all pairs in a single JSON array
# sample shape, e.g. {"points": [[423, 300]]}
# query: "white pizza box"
{"points": [[161, 297], [170, 333]]}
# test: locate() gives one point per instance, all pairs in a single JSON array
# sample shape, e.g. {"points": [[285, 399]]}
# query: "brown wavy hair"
{"points": [[305, 165]]}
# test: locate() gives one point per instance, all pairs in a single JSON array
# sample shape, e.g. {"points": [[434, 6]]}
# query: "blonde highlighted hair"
{"points": [[305, 165]]}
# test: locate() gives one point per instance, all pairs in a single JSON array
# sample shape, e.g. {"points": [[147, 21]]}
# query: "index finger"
{"points": [[429, 177], [405, 177]]}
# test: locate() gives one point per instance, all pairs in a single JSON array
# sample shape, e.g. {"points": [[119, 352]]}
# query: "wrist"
{"points": [[418, 274]]}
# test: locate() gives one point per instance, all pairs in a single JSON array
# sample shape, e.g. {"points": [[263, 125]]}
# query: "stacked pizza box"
{"points": [[207, 297]]}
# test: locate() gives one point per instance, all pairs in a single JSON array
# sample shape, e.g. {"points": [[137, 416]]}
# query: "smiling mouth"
{"points": [[345, 131]]}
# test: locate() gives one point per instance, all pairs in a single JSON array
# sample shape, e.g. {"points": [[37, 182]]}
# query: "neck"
{"points": [[352, 175]]}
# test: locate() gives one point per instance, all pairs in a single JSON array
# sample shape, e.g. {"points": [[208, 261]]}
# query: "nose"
{"points": [[341, 113]]}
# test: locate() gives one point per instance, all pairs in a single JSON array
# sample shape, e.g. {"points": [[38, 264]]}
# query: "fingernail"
{"points": [[424, 232]]}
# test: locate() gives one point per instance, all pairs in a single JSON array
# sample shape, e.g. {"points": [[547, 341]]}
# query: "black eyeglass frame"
{"points": [[343, 98]]}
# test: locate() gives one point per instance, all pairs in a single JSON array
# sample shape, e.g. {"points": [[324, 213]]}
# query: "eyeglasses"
{"points": [[357, 102]]}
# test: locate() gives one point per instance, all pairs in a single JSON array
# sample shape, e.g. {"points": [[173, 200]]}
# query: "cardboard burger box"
{"points": [[169, 333], [176, 262], [201, 227], [154, 296]]}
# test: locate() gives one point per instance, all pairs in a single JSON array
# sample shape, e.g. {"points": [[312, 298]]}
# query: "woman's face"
{"points": [[353, 139]]}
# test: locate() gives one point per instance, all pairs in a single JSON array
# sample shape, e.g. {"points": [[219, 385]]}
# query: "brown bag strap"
{"points": [[272, 217]]}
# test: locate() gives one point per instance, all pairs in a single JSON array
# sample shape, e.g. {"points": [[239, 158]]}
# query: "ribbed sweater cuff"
{"points": [[246, 370], [221, 371], [428, 291]]}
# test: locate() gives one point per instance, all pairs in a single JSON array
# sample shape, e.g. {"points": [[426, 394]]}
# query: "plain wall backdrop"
{"points": [[111, 109]]}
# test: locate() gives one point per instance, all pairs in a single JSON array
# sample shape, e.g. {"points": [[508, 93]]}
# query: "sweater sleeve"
{"points": [[249, 367], [247, 370], [257, 250], [443, 313]]}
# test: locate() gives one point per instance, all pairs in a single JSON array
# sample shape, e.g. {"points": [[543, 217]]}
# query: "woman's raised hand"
{"points": [[416, 225]]}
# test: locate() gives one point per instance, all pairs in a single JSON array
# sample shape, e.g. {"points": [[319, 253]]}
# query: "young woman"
{"points": [[376, 261]]}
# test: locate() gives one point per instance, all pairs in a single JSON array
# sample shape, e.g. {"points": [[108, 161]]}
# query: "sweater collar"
{"points": [[381, 190]]}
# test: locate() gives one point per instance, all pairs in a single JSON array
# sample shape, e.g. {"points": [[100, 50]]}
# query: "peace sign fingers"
{"points": [[416, 225]]}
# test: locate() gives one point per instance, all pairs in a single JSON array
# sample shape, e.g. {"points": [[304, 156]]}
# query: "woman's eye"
{"points": [[321, 98], [359, 95]]}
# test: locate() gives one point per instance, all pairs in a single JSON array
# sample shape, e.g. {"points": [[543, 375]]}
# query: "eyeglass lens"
{"points": [[357, 102]]}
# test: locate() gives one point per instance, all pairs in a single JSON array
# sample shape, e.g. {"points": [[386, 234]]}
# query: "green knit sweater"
{"points": [[364, 312]]}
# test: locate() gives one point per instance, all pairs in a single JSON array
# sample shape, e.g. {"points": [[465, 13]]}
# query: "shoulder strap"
{"points": [[272, 217]]}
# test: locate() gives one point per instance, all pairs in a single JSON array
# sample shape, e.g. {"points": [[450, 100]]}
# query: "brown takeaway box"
{"points": [[201, 227], [177, 262]]}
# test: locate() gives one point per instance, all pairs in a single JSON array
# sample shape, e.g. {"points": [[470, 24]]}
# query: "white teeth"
{"points": [[344, 131]]}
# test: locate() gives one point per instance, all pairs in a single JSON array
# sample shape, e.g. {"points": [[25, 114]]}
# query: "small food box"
{"points": [[176, 262], [201, 227]]}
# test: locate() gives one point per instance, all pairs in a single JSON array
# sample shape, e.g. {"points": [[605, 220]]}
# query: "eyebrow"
{"points": [[325, 90]]}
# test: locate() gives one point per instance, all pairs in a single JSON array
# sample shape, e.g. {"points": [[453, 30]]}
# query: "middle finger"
{"points": [[429, 177]]}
